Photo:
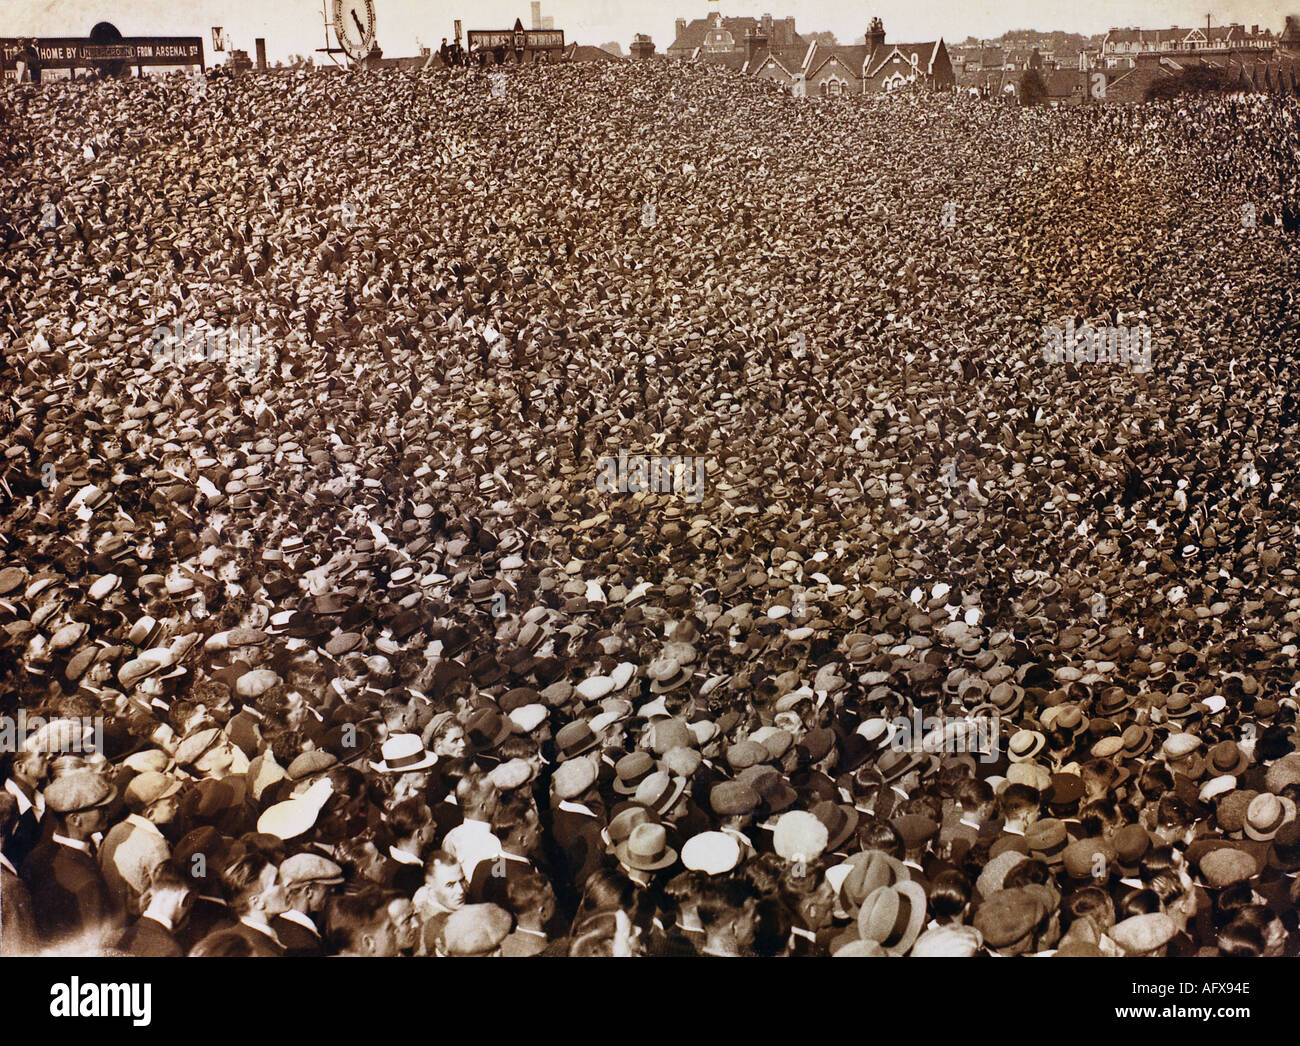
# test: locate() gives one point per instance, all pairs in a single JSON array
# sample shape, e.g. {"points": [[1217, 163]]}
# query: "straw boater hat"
{"points": [[403, 754]]}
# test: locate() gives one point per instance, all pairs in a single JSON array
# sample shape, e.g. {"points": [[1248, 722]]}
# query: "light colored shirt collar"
{"points": [[295, 916], [261, 928], [575, 808], [6, 863], [531, 933], [24, 803], [76, 844], [144, 824], [161, 920], [403, 856]]}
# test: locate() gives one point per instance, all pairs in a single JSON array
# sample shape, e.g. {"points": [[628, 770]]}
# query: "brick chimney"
{"points": [[756, 42], [875, 36], [681, 27]]}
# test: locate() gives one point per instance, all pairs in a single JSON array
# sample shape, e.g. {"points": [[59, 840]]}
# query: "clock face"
{"points": [[354, 23]]}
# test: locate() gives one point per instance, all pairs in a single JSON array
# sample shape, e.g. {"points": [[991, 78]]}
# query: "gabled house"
{"points": [[897, 65], [875, 66], [707, 37]]}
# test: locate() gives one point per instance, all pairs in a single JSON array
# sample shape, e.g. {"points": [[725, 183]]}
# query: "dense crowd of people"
{"points": [[348, 653]]}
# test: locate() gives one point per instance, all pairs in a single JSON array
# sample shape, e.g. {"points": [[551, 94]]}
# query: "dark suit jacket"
{"points": [[578, 849], [68, 891], [263, 946], [487, 888], [296, 938], [206, 917], [27, 833], [149, 939], [17, 922]]}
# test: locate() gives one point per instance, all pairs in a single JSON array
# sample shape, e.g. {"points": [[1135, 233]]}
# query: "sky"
{"points": [[295, 26]]}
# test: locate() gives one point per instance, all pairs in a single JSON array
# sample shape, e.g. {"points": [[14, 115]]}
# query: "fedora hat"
{"points": [[1226, 758], [893, 916], [403, 754], [866, 871], [646, 848], [840, 819], [631, 770], [660, 791], [1266, 814]]}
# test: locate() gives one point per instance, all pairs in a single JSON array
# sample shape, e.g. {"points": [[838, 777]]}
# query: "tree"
{"points": [[613, 47], [825, 39], [1033, 90]]}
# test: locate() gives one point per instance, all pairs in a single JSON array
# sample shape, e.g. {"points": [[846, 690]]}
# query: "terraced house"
{"points": [[772, 49]]}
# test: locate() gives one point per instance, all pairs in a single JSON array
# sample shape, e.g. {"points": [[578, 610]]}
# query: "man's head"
{"points": [[412, 825], [308, 881], [81, 802], [168, 894], [726, 910], [532, 899], [477, 796], [253, 888], [516, 824], [30, 768], [360, 924], [1019, 805], [445, 880]]}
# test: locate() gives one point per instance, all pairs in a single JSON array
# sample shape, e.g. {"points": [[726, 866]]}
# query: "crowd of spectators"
{"points": [[346, 652]]}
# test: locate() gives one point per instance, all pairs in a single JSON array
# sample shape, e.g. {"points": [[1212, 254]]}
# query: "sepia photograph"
{"points": [[590, 480]]}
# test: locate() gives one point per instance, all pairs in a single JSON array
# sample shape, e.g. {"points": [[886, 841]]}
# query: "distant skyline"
{"points": [[295, 26]]}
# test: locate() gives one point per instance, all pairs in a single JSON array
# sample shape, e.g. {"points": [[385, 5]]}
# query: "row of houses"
{"points": [[811, 65], [771, 48], [1264, 73], [1120, 44]]}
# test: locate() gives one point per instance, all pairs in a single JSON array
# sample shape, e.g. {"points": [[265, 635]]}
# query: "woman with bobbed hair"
{"points": [[950, 893], [1092, 903], [880, 835], [1241, 940]]}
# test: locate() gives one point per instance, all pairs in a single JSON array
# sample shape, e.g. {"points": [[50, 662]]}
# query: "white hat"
{"points": [[403, 754], [713, 853], [528, 718]]}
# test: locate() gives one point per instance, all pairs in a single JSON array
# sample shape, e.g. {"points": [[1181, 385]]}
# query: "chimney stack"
{"points": [[642, 47], [875, 36]]}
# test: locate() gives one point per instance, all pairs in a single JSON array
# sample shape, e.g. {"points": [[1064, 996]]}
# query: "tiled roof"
{"points": [[851, 55], [924, 52], [694, 33], [587, 53]]}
